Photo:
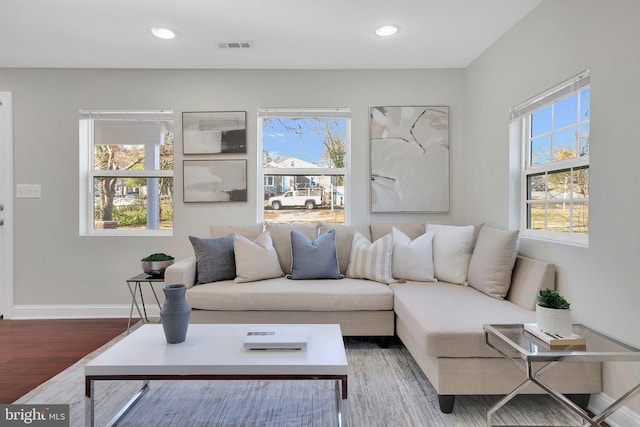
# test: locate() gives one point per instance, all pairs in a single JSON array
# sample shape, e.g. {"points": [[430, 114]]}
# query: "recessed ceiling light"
{"points": [[163, 33], [387, 30]]}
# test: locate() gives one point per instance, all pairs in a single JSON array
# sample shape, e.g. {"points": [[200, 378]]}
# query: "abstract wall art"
{"points": [[409, 159], [214, 132], [215, 180]]}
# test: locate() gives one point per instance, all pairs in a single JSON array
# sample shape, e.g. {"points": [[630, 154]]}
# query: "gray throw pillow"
{"points": [[215, 259], [314, 260]]}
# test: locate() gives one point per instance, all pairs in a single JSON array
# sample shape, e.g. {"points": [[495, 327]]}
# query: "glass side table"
{"points": [[135, 288], [524, 349]]}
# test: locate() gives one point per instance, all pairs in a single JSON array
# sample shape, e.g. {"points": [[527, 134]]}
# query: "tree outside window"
{"points": [[130, 173]]}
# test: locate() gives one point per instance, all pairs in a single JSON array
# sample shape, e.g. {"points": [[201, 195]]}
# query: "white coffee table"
{"points": [[216, 352]]}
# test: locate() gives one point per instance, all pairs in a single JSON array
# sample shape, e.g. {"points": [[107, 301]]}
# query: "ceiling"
{"points": [[295, 34]]}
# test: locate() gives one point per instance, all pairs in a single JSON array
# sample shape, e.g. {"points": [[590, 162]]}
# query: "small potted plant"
{"points": [[553, 315], [155, 264]]}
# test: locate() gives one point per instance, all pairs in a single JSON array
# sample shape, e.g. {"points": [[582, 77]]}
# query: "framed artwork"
{"points": [[409, 159], [214, 132], [215, 180]]}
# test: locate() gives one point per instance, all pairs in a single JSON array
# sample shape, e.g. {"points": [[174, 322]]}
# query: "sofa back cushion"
{"points": [[529, 277], [492, 261], [411, 229], [251, 231], [281, 236], [344, 240]]}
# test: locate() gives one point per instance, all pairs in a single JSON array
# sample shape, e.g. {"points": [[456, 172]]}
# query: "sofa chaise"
{"points": [[434, 286]]}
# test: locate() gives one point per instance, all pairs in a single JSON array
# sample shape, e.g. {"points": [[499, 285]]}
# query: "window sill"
{"points": [[129, 233], [581, 241]]}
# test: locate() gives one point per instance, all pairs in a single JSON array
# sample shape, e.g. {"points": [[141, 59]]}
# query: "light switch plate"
{"points": [[28, 191]]}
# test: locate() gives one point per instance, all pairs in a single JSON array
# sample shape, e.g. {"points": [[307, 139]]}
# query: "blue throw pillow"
{"points": [[215, 259], [314, 260]]}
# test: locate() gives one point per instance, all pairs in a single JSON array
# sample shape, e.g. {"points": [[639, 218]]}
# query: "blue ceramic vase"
{"points": [[175, 313]]}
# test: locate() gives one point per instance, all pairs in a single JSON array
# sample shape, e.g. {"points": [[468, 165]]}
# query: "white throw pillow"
{"points": [[371, 260], [492, 261], [452, 247], [255, 260], [413, 260]]}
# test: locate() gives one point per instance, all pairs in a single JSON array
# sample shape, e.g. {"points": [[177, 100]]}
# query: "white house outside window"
{"points": [[552, 130], [126, 172], [304, 165]]}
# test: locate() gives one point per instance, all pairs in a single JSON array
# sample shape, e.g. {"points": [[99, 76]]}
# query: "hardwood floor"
{"points": [[33, 351]]}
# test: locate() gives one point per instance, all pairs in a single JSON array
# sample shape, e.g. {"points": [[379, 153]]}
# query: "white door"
{"points": [[6, 204]]}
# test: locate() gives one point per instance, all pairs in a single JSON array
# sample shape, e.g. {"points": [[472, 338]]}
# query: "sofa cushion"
{"points": [[344, 240], [255, 260], [215, 259], [449, 317], [411, 229], [529, 277], [371, 261], [492, 261], [251, 231], [281, 235], [412, 259], [452, 247], [288, 295], [314, 259]]}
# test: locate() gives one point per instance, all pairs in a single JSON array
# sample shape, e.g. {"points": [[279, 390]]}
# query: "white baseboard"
{"points": [[623, 417], [77, 311]]}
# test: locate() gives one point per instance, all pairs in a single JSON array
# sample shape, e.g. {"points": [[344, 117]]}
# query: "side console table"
{"points": [[524, 349], [135, 288]]}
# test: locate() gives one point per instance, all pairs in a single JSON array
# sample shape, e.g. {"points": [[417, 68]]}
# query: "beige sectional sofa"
{"points": [[439, 322]]}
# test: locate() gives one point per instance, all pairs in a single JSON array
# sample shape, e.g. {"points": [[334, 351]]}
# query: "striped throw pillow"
{"points": [[371, 260]]}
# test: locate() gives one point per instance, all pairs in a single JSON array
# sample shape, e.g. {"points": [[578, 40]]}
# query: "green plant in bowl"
{"points": [[156, 264], [551, 298], [158, 257]]}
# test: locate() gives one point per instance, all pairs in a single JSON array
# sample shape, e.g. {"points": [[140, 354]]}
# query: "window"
{"points": [[553, 134], [304, 165], [126, 173]]}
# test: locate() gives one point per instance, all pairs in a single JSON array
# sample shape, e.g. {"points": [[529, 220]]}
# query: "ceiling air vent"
{"points": [[235, 45]]}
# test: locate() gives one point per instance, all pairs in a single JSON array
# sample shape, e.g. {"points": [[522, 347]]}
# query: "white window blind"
{"points": [[539, 101]]}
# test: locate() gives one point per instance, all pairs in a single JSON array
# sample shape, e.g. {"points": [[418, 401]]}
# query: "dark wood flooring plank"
{"points": [[34, 351]]}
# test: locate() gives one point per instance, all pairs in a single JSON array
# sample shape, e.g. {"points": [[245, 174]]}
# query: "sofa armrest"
{"points": [[529, 277], [182, 272]]}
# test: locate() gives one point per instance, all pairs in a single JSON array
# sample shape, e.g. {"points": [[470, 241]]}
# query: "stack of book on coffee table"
{"points": [[571, 342]]}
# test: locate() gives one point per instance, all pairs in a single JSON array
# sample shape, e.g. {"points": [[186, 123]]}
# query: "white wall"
{"points": [[555, 41], [54, 266]]}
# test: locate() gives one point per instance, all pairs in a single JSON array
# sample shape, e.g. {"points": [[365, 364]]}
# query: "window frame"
{"points": [[88, 172], [301, 113], [521, 141]]}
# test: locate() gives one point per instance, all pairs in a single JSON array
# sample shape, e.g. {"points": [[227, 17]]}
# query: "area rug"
{"points": [[386, 388]]}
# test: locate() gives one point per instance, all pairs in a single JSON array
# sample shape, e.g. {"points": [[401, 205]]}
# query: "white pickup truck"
{"points": [[308, 198]]}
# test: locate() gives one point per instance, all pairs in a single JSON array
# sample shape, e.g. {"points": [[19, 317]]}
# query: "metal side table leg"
{"points": [[134, 301]]}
